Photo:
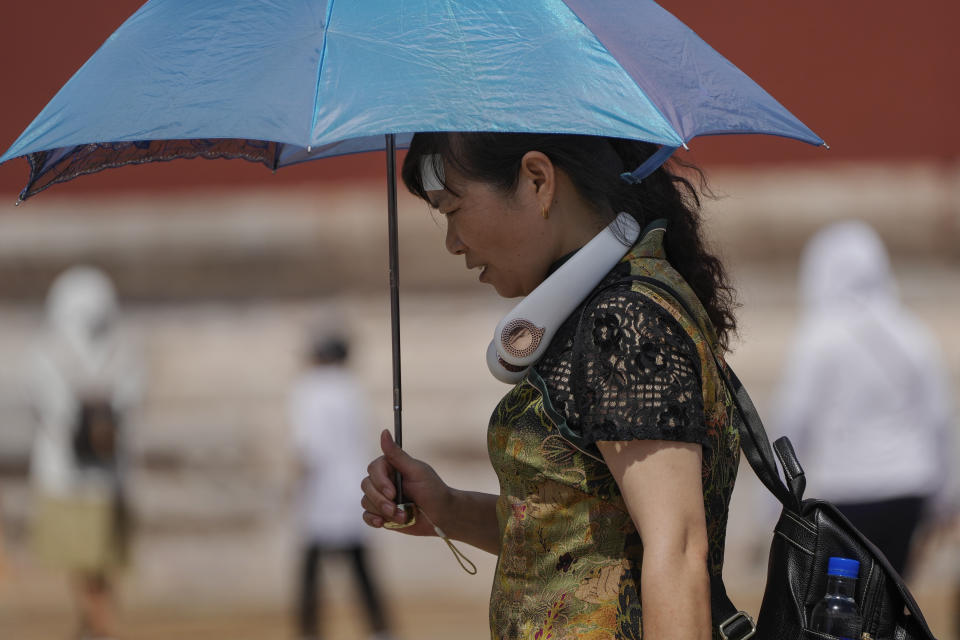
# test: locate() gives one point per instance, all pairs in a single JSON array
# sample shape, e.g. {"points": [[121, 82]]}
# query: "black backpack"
{"points": [[807, 534], [95, 435]]}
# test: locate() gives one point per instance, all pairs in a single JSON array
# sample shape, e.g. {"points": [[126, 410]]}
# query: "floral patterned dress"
{"points": [[570, 556]]}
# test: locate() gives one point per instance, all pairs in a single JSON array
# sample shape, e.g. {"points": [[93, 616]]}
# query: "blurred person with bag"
{"points": [[865, 396], [85, 381], [328, 425]]}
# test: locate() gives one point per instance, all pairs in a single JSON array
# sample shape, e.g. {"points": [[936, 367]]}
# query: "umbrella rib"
{"points": [[323, 55], [276, 157], [654, 101]]}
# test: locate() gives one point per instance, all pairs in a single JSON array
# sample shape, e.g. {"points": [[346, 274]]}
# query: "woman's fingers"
{"points": [[374, 500], [380, 473], [372, 519], [376, 508], [377, 502], [380, 508]]}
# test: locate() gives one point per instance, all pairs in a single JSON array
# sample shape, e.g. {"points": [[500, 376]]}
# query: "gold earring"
{"points": [[544, 212]]}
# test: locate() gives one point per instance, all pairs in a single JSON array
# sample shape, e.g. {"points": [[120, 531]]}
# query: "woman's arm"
{"points": [[473, 519], [661, 486], [467, 516]]}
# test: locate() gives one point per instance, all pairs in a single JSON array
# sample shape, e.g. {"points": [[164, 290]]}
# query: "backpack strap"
{"points": [[753, 437]]}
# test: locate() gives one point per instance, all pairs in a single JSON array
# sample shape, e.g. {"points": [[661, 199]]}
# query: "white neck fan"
{"points": [[525, 333]]}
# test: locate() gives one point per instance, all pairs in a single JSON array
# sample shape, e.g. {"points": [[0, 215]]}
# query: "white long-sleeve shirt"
{"points": [[82, 354], [864, 398], [328, 429]]}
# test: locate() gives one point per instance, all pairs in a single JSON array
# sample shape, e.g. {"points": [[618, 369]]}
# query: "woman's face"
{"points": [[502, 234]]}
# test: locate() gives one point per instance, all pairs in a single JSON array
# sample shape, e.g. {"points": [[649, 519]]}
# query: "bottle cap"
{"points": [[843, 567]]}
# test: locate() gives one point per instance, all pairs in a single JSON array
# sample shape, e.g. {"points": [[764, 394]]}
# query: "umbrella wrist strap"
{"points": [[461, 558]]}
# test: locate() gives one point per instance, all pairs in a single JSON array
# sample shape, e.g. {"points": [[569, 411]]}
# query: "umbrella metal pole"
{"points": [[394, 296]]}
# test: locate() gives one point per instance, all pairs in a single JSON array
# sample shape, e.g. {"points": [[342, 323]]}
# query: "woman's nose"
{"points": [[452, 241]]}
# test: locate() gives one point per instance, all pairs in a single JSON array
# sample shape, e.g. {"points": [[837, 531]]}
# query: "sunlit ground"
{"points": [[424, 617]]}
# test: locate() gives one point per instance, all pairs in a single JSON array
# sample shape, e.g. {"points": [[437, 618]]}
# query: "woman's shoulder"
{"points": [[624, 321], [631, 303], [638, 369]]}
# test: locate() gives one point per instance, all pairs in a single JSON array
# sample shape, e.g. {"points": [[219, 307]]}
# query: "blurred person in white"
{"points": [[85, 379], [865, 397], [327, 415]]}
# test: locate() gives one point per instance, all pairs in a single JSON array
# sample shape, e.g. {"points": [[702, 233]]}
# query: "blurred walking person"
{"points": [[84, 382], [328, 422], [865, 397]]}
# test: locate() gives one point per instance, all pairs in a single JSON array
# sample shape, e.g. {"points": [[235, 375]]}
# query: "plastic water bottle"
{"points": [[837, 614]]}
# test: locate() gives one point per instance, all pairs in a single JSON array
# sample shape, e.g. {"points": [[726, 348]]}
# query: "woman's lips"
{"points": [[481, 267]]}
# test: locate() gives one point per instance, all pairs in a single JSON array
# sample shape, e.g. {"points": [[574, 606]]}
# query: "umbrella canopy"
{"points": [[283, 83]]}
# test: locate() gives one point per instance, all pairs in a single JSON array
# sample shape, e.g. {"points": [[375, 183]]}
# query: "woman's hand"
{"points": [[421, 485], [467, 516]]}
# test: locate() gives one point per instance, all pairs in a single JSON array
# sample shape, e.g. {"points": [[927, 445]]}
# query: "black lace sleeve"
{"points": [[636, 375]]}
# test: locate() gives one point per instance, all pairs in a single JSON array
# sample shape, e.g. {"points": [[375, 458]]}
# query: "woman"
{"points": [[616, 452]]}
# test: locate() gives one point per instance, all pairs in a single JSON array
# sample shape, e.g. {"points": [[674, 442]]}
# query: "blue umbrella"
{"points": [[287, 82]]}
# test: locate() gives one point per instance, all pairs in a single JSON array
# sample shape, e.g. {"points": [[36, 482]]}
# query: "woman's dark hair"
{"points": [[594, 165]]}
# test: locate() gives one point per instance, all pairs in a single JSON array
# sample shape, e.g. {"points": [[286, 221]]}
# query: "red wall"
{"points": [[876, 80]]}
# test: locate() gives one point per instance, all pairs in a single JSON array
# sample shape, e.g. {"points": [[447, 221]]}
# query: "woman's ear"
{"points": [[538, 173]]}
